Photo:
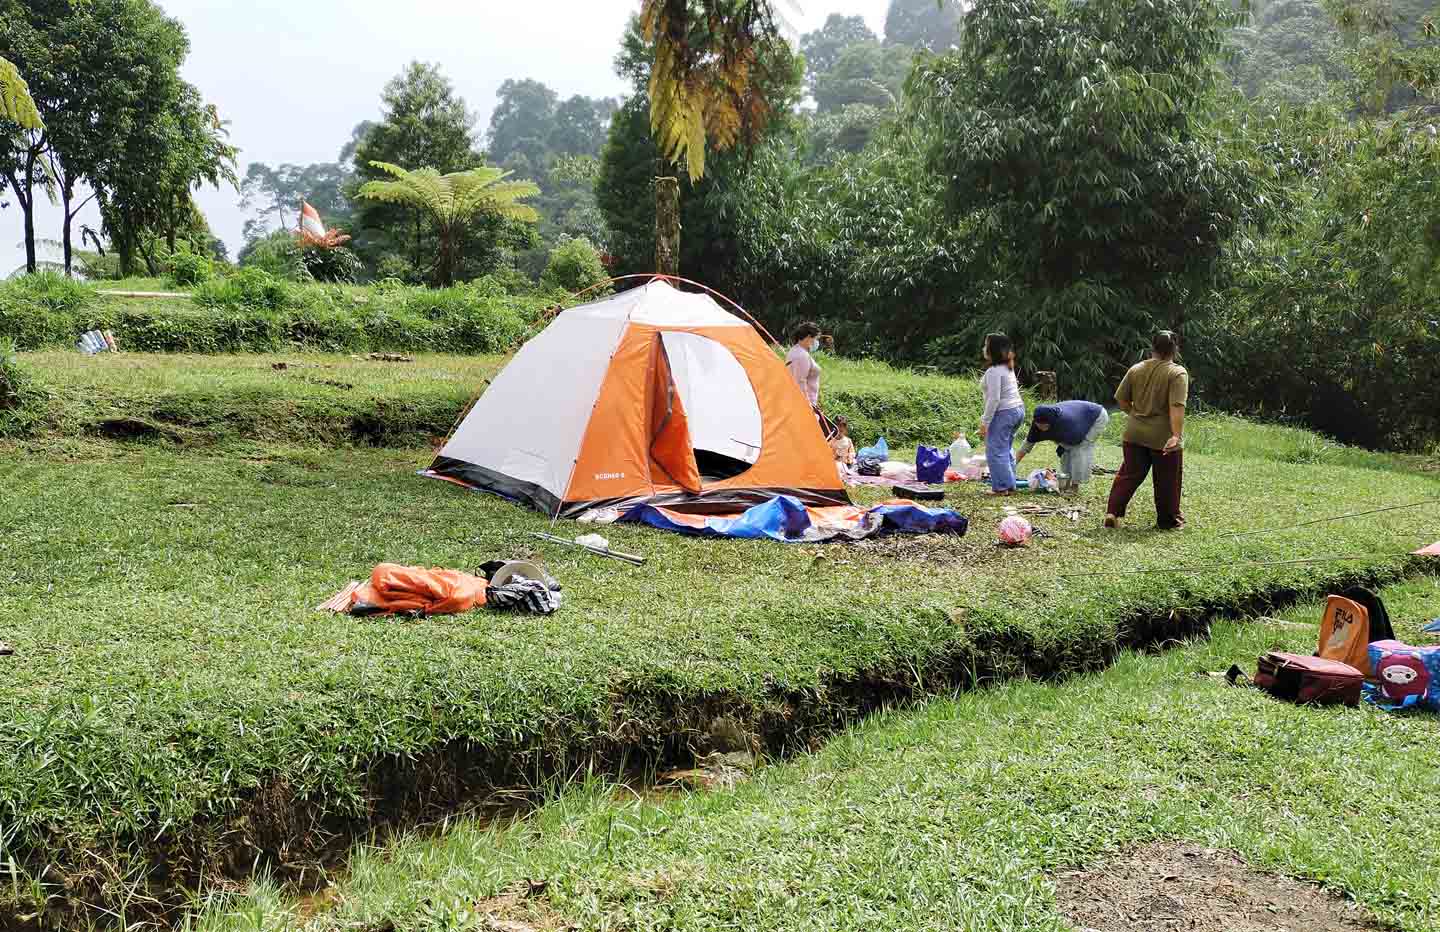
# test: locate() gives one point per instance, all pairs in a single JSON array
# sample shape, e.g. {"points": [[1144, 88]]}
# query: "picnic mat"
{"points": [[785, 519]]}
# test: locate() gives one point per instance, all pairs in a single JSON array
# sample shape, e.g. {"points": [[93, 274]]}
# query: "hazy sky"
{"points": [[293, 77]]}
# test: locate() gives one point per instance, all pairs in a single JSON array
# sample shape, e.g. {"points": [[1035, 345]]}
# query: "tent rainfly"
{"points": [[654, 396]]}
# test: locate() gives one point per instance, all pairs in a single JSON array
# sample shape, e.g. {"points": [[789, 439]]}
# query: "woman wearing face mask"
{"points": [[802, 365]]}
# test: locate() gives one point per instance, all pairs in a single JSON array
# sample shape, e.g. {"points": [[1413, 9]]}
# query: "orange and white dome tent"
{"points": [[654, 396]]}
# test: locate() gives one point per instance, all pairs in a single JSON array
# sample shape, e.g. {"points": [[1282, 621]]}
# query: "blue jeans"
{"points": [[1000, 448]]}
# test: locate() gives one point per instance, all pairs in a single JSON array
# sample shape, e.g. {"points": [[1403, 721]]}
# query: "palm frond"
{"points": [[454, 198], [16, 104], [704, 83], [422, 188]]}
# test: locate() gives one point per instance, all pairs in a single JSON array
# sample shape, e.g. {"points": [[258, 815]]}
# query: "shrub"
{"points": [[42, 310], [18, 394], [250, 287], [186, 269], [278, 255], [509, 280], [252, 311], [1330, 319], [467, 319], [574, 265], [337, 264], [49, 290], [101, 268], [13, 379], [399, 268]]}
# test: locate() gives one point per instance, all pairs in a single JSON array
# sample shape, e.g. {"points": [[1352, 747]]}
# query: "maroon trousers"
{"points": [[1169, 469]]}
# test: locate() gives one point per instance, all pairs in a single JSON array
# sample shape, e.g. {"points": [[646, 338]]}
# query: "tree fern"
{"points": [[453, 201], [16, 105]]}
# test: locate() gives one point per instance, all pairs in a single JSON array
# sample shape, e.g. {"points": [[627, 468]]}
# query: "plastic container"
{"points": [[959, 450], [972, 467]]}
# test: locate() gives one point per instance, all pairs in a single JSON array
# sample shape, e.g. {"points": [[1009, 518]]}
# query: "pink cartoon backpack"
{"points": [[1405, 676]]}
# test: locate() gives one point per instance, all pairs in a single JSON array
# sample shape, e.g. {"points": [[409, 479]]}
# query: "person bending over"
{"points": [[1075, 426]]}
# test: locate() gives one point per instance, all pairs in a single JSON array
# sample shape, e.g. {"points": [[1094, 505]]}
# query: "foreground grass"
{"points": [[351, 399], [175, 710], [954, 816]]}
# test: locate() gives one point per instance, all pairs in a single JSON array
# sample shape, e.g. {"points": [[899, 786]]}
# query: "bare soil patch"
{"points": [[1164, 887]]}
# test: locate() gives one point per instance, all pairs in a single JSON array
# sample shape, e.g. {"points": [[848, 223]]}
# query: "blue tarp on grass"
{"points": [[785, 519]]}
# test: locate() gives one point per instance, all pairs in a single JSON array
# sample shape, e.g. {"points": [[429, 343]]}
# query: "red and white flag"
{"points": [[310, 225], [312, 229]]}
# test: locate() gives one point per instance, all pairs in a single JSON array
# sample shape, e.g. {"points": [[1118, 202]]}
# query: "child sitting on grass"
{"points": [[841, 445], [1075, 426]]}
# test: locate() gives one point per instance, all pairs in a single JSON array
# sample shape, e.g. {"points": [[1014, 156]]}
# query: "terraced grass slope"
{"points": [[176, 712], [339, 399], [175, 709], [966, 814]]}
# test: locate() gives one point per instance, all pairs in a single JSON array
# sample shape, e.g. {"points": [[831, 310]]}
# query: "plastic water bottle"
{"points": [[959, 450]]}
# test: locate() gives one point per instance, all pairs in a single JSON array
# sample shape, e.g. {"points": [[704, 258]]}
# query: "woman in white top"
{"points": [[802, 365], [1004, 412]]}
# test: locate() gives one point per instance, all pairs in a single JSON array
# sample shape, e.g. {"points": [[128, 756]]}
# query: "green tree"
{"points": [[522, 123], [863, 243], [864, 73], [847, 130], [274, 194], [147, 190], [924, 24], [579, 126], [1329, 318], [711, 67], [625, 182], [105, 76], [16, 104], [1391, 50], [1288, 50], [451, 203], [1076, 136], [423, 124], [574, 265], [822, 47]]}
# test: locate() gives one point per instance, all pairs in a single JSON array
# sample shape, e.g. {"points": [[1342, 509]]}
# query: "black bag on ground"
{"points": [[918, 493], [868, 467]]}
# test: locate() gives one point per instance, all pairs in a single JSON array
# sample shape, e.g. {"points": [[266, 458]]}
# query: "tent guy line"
{"points": [[1203, 567], [1355, 514]]}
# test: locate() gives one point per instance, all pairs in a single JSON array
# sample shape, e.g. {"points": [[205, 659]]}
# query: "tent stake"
{"points": [[613, 554]]}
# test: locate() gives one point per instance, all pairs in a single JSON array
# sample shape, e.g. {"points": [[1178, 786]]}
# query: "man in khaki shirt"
{"points": [[1153, 394]]}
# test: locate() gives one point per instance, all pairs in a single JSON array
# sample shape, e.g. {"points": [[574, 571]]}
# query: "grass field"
{"points": [[174, 701], [177, 714], [956, 816]]}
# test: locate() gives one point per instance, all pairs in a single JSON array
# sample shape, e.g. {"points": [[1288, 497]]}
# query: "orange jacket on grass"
{"points": [[395, 589]]}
